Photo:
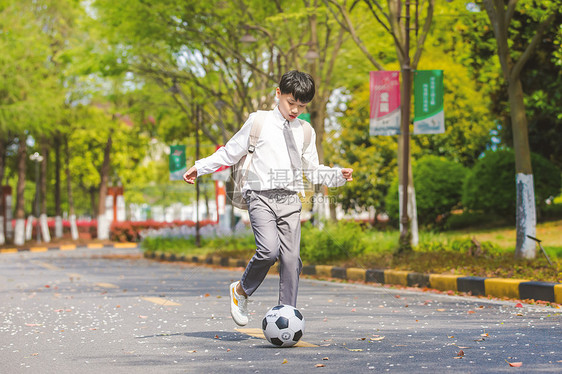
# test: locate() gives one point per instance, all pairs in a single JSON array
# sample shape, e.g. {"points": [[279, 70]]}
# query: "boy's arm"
{"points": [[321, 174], [228, 155]]}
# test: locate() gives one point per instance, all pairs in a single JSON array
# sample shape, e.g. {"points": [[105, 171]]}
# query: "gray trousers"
{"points": [[275, 220]]}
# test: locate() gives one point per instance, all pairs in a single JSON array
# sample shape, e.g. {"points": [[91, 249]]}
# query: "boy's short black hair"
{"points": [[301, 85]]}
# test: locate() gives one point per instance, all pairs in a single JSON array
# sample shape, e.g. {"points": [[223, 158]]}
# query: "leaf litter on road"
{"points": [[514, 364]]}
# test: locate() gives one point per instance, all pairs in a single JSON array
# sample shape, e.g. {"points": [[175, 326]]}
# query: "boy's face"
{"points": [[288, 106]]}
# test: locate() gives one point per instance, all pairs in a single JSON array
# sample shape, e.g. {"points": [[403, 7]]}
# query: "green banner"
{"points": [[177, 162], [429, 117]]}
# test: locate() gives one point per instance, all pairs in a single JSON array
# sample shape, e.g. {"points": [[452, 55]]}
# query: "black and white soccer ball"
{"points": [[283, 325]]}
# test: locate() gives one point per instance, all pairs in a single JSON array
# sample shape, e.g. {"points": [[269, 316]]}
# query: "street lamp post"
{"points": [[37, 158]]}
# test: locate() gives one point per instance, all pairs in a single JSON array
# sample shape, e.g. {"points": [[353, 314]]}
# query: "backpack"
{"points": [[241, 168]]}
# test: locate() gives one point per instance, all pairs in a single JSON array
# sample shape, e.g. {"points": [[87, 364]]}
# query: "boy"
{"points": [[273, 204]]}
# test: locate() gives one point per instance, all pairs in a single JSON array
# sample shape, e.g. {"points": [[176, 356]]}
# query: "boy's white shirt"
{"points": [[271, 165]]}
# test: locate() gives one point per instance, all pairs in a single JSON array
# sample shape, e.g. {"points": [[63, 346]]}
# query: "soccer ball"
{"points": [[283, 325]]}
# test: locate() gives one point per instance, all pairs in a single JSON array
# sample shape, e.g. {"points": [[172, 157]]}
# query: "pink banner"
{"points": [[385, 103]]}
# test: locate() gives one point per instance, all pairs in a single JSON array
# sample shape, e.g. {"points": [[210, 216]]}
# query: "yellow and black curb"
{"points": [[477, 286], [68, 247]]}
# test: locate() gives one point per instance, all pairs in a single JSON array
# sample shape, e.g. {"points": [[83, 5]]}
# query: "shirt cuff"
{"points": [[340, 181]]}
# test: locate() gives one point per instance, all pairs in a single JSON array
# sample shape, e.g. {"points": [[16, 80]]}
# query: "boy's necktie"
{"points": [[296, 162]]}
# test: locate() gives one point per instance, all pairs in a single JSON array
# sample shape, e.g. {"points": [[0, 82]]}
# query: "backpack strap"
{"points": [[255, 132], [307, 129]]}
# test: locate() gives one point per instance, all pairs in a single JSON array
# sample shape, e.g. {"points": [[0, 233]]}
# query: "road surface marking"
{"points": [[258, 333], [160, 301], [46, 265], [106, 285]]}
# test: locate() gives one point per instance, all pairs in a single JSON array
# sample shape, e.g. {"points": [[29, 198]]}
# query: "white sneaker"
{"points": [[238, 306]]}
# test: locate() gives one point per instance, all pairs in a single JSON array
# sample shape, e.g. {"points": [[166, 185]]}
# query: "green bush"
{"points": [[474, 219], [465, 245], [438, 184], [186, 245], [490, 186], [552, 211], [334, 242]]}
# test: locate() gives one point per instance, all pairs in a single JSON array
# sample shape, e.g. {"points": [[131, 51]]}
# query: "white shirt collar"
{"points": [[280, 117]]}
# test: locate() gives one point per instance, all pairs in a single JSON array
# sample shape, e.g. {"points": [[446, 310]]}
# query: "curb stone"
{"points": [[68, 247], [477, 286]]}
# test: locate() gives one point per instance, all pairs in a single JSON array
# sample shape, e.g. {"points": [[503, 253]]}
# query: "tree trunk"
{"points": [[58, 207], [2, 208], [526, 219], [19, 234], [103, 222], [43, 183], [412, 206], [71, 213]]}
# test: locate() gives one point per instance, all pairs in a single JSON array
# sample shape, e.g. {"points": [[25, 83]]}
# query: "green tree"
{"points": [[501, 17], [29, 94], [489, 186], [439, 184]]}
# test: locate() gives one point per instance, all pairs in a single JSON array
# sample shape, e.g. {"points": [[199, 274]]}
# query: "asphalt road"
{"points": [[108, 310]]}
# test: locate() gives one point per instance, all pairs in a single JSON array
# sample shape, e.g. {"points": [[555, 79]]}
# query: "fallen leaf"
{"points": [[319, 365], [471, 312], [377, 338], [217, 337], [514, 364], [461, 353], [441, 310], [519, 305], [142, 316], [228, 349], [191, 351], [354, 350], [284, 361], [32, 324], [484, 334], [457, 357], [326, 358], [207, 295]]}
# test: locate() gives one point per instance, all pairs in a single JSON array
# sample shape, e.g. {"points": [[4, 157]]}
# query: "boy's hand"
{"points": [[190, 175], [347, 174]]}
